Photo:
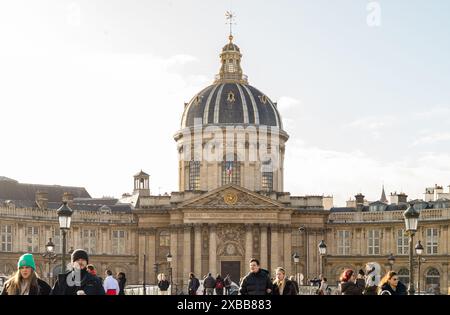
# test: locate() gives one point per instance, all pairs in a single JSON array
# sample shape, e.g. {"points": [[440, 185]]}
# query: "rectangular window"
{"points": [[57, 239], [343, 242], [267, 181], [33, 239], [194, 175], [118, 242], [432, 241], [89, 240], [231, 172], [374, 242], [6, 238], [402, 242]]}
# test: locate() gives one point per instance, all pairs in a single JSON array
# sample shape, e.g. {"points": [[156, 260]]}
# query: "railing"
{"points": [[380, 216], [78, 215]]}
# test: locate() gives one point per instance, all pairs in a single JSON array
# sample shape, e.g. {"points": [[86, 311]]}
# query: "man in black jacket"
{"points": [[193, 284], [257, 281], [78, 281]]}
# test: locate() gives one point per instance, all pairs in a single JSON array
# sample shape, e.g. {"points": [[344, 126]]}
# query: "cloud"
{"points": [[432, 138]]}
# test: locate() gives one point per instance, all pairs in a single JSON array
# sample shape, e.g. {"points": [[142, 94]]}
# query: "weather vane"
{"points": [[230, 16]]}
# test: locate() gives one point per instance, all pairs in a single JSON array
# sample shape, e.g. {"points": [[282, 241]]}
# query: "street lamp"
{"points": [[65, 218], [51, 256], [391, 260], [411, 216], [322, 251], [296, 258], [169, 260], [419, 252]]}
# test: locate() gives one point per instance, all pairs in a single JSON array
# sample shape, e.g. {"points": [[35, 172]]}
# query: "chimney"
{"points": [[68, 197], [359, 201], [42, 200], [397, 198]]}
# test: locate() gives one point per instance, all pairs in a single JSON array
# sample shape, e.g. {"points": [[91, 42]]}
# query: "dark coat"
{"points": [[163, 285], [122, 282], [256, 283], [289, 289], [91, 285], [193, 286], [209, 282], [401, 289], [351, 288], [44, 289]]}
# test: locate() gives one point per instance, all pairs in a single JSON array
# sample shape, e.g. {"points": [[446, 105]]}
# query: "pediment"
{"points": [[231, 196]]}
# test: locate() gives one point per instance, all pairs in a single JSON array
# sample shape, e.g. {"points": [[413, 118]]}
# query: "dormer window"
{"points": [[263, 99], [231, 98]]}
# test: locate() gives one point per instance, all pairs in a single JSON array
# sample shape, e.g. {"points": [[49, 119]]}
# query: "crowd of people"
{"points": [[80, 279]]}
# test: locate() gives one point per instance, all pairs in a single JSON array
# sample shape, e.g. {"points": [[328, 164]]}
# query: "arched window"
{"points": [[432, 281], [403, 276], [231, 171], [194, 175], [164, 238]]}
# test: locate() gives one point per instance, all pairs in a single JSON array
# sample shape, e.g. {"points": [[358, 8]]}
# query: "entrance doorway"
{"points": [[232, 268]]}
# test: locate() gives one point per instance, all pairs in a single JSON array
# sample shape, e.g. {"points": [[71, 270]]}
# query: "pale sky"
{"points": [[93, 91]]}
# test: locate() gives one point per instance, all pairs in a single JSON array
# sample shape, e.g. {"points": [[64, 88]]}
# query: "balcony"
{"points": [[387, 216]]}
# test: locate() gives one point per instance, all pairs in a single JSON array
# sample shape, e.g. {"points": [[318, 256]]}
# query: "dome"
{"points": [[227, 103], [231, 100]]}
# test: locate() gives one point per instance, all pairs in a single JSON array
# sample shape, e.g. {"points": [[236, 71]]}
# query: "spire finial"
{"points": [[230, 16]]}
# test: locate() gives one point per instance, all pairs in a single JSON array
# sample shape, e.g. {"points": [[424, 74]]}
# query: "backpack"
{"points": [[219, 285]]}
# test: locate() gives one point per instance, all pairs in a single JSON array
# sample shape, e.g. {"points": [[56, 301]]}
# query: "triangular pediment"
{"points": [[231, 196]]}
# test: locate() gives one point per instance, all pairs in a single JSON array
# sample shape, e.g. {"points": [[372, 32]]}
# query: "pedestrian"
{"points": [[391, 285], [78, 281], [219, 285], [110, 284], [122, 279], [324, 289], [350, 284], [257, 281], [292, 278], [91, 269], [193, 284], [209, 284], [227, 283], [282, 285], [25, 281], [163, 284]]}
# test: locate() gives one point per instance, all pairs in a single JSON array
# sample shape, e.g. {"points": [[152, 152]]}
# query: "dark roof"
{"points": [[342, 209], [141, 173], [13, 190], [249, 107]]}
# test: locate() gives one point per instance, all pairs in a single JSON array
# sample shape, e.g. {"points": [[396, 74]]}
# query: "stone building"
{"points": [[231, 206]]}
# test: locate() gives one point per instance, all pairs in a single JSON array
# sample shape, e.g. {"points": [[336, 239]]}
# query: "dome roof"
{"points": [[228, 103], [230, 100]]}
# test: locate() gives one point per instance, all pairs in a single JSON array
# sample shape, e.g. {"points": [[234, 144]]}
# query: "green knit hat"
{"points": [[26, 260]]}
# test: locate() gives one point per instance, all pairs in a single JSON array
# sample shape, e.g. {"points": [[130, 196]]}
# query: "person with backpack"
{"points": [[219, 285], [209, 284]]}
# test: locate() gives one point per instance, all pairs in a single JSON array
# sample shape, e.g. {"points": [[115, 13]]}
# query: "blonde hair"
{"points": [[14, 283]]}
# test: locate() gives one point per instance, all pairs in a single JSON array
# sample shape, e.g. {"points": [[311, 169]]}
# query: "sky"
{"points": [[91, 92]]}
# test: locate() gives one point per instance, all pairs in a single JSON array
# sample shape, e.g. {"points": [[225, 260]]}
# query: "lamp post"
{"points": [[65, 218], [411, 216], [322, 251], [419, 252], [169, 260], [296, 259], [51, 256], [391, 260]]}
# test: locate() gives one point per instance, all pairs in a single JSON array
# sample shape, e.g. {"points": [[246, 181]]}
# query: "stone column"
{"points": [[212, 249], [264, 262], [151, 253], [186, 255], [174, 253], [287, 250], [198, 250], [141, 247], [248, 243], [274, 248]]}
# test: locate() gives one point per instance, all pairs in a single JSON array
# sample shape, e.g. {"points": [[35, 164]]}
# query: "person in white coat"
{"points": [[110, 284]]}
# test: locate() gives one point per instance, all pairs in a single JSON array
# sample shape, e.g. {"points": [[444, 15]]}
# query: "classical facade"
{"points": [[231, 206]]}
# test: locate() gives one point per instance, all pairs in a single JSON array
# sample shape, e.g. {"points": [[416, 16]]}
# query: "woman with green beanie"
{"points": [[25, 280]]}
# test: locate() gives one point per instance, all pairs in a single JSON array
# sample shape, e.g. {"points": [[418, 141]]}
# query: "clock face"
{"points": [[230, 198]]}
